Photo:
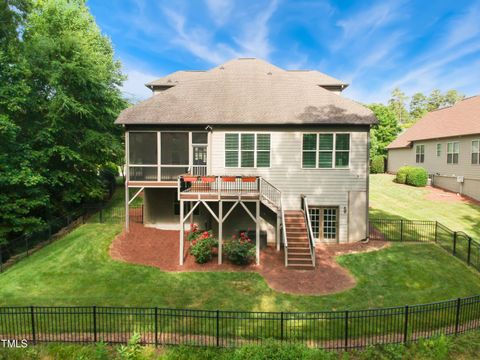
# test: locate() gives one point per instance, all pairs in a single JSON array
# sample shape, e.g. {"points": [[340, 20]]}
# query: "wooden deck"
{"points": [[219, 195], [153, 184]]}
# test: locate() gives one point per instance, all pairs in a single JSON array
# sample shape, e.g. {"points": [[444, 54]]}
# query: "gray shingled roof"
{"points": [[246, 91]]}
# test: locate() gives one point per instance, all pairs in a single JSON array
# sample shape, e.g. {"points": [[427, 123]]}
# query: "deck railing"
{"points": [[231, 185], [311, 238]]}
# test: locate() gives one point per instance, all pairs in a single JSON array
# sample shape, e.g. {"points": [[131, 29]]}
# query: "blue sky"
{"points": [[373, 45]]}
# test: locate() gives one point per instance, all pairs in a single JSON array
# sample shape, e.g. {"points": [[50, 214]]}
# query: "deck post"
{"points": [[278, 231], [220, 231], [257, 217], [182, 232], [127, 215]]}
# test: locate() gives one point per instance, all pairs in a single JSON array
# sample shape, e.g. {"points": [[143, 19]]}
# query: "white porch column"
{"points": [[182, 233], [220, 231], [127, 200], [257, 221], [278, 231]]}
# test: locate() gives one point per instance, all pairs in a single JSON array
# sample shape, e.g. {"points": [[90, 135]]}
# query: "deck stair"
{"points": [[299, 252]]}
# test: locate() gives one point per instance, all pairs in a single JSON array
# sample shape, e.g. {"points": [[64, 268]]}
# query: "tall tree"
{"points": [[385, 131], [418, 106], [397, 103]]}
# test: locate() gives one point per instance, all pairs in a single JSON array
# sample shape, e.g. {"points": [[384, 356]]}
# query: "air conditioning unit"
{"points": [[460, 179]]}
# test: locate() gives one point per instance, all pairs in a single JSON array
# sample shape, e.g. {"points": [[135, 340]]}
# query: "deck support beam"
{"points": [[127, 207], [220, 231], [182, 232], [257, 222]]}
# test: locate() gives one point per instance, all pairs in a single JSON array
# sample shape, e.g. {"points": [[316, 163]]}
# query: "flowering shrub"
{"points": [[193, 233], [202, 247], [241, 250]]}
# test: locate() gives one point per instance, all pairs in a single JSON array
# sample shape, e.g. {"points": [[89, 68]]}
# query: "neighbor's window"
{"points": [[420, 154], [476, 152], [325, 151], [247, 150], [453, 149], [439, 150]]}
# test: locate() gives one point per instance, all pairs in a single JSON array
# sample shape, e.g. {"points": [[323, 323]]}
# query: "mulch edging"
{"points": [[160, 248]]}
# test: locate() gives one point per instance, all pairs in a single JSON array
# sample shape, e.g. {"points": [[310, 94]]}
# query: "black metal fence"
{"points": [[458, 243], [335, 330], [24, 245]]}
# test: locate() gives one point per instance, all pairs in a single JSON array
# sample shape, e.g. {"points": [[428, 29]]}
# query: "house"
{"points": [[248, 146], [446, 142]]}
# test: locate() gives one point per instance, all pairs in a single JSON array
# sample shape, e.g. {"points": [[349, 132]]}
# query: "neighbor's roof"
{"points": [[246, 91], [463, 118]]}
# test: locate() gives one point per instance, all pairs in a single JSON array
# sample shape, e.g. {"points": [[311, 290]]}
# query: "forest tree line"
{"points": [[59, 96]]}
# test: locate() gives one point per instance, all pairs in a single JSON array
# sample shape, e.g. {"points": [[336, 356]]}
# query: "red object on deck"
{"points": [[229, 178], [208, 179], [249, 179]]}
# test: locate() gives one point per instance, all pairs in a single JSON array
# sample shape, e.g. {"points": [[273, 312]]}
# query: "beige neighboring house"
{"points": [[445, 142], [248, 146]]}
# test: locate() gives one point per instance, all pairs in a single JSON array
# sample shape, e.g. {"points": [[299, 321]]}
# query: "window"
{"points": [[439, 150], [247, 150], [326, 151], [476, 152], [419, 154], [453, 149]]}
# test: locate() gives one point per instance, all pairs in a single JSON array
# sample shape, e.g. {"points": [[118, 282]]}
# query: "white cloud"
{"points": [[220, 10], [254, 40], [134, 88]]}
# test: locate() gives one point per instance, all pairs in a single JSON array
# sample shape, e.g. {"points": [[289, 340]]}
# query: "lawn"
{"points": [[391, 200], [77, 270]]}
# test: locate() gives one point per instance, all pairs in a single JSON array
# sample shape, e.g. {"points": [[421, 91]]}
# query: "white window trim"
{"points": [[453, 149], [478, 152], [416, 153], [334, 133], [239, 150]]}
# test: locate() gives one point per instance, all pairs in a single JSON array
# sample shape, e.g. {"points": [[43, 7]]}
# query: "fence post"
{"points": [[469, 250], [26, 244], [405, 327], [457, 317], [101, 215], [346, 330], [94, 323], [281, 327], [454, 251], [32, 316], [401, 230], [218, 328], [436, 231], [156, 326], [1, 259]]}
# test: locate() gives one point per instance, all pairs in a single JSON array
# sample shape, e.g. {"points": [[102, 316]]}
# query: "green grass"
{"points": [[77, 270], [466, 346], [391, 200]]}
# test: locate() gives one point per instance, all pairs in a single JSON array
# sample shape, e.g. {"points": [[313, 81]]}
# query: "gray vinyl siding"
{"points": [[323, 187], [445, 174]]}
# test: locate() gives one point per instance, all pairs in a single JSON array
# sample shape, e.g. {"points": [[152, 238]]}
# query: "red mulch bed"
{"points": [[160, 248], [437, 194]]}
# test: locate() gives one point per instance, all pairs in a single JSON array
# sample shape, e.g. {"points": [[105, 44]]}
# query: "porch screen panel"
{"points": [[174, 148], [263, 150], [247, 142], [142, 148], [342, 150], [309, 153], [325, 151], [231, 150]]}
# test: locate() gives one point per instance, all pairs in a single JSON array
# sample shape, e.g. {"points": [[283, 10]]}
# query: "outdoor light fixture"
{"points": [[208, 128], [344, 209]]}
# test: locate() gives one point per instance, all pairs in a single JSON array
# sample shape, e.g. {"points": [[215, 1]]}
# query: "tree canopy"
{"points": [[59, 96]]}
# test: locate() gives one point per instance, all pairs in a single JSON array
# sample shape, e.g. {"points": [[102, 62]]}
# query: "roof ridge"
{"points": [[450, 106]]}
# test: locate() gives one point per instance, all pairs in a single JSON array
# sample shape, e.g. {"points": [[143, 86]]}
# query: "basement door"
{"points": [[324, 222]]}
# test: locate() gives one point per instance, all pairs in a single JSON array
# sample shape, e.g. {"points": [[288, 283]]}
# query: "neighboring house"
{"points": [[446, 142], [267, 136]]}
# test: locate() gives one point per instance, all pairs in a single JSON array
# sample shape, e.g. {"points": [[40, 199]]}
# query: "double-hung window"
{"points": [[326, 151], [453, 150], [247, 150], [476, 152], [419, 154], [439, 150]]}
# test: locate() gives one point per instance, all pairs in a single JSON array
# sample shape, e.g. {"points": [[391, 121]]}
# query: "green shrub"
{"points": [[132, 350], [401, 177], [378, 165], [417, 176], [202, 247], [240, 250]]}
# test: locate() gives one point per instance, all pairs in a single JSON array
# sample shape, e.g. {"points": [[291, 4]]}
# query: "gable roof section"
{"points": [[245, 91], [463, 118]]}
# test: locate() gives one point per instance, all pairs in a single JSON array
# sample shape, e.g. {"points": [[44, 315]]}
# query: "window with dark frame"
{"points": [[439, 150], [325, 150], [247, 150], [419, 154]]}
